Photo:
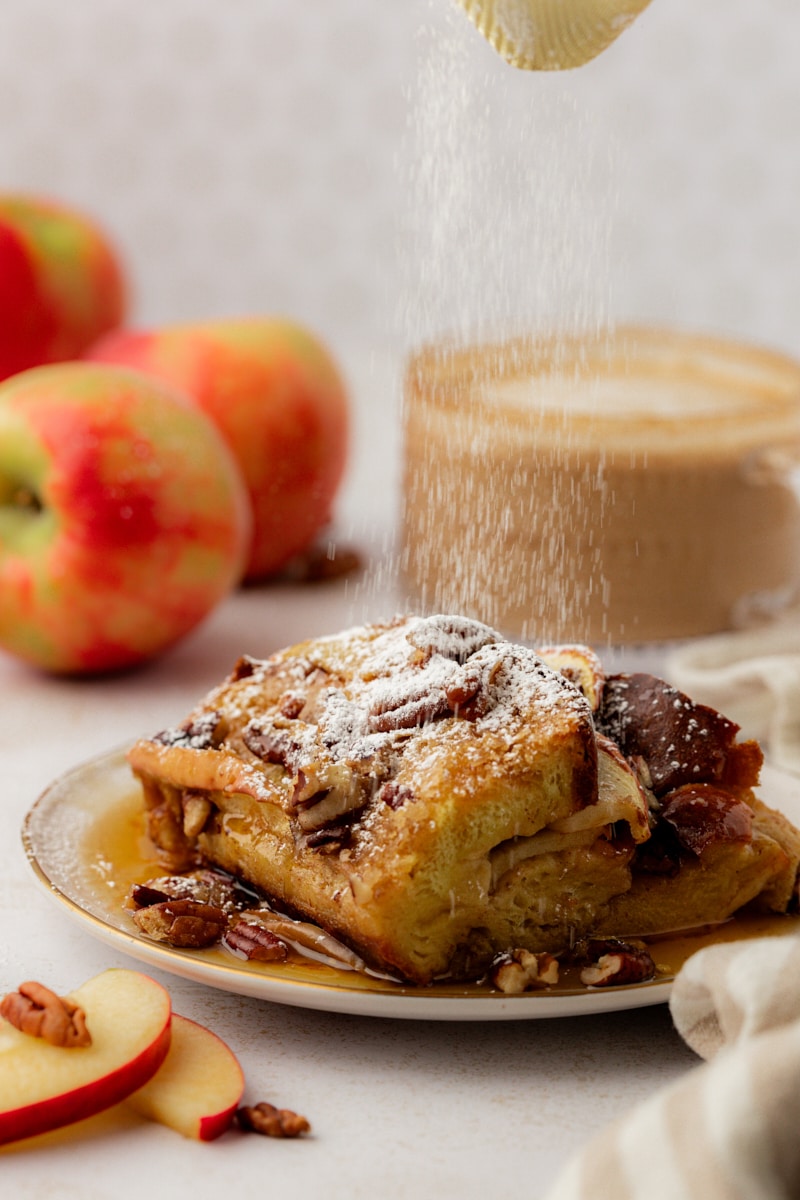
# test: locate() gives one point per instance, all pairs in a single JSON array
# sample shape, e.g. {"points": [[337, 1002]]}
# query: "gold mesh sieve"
{"points": [[551, 35]]}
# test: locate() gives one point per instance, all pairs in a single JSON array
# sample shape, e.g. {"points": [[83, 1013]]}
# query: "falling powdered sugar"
{"points": [[511, 186]]}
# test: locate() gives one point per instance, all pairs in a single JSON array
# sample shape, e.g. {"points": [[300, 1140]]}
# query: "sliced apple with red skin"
{"points": [[44, 1087], [199, 1086]]}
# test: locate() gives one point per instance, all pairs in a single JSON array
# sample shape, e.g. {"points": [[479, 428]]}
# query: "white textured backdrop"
{"points": [[265, 155]]}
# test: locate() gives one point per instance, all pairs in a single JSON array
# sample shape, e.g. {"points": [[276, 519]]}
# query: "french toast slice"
{"points": [[435, 796]]}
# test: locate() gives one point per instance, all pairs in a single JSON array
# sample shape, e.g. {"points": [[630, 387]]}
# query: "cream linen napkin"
{"points": [[730, 1128]]}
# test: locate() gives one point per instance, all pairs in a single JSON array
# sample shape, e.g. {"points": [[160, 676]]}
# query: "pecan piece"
{"points": [[245, 667], [271, 744], [396, 794], [623, 965], [142, 895], [291, 704], [35, 1010], [307, 935], [465, 694], [328, 840], [270, 1121], [205, 732], [182, 923], [453, 637], [522, 970], [204, 886], [251, 940]]}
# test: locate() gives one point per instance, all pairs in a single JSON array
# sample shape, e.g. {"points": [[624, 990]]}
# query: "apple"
{"points": [[44, 1087], [61, 282], [199, 1086], [123, 517], [276, 395]]}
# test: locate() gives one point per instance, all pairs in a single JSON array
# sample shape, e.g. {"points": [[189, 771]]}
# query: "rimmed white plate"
{"points": [[83, 839]]}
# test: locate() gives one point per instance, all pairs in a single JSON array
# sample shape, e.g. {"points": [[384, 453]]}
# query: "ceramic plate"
{"points": [[85, 841]]}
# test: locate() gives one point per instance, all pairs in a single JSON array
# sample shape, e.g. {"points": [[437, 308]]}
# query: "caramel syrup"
{"points": [[117, 853]]}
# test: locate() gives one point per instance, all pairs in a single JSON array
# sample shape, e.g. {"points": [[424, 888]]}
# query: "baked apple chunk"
{"points": [[434, 796]]}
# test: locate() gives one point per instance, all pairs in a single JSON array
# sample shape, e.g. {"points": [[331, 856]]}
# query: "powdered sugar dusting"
{"points": [[421, 670], [512, 188], [518, 680], [346, 731]]}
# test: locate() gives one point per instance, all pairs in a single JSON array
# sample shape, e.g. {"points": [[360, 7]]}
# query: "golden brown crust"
{"points": [[364, 780], [434, 795]]}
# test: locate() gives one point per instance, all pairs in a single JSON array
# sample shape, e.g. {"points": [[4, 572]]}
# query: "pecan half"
{"points": [[307, 935], [35, 1010], [623, 965], [250, 940], [522, 970], [204, 886], [270, 1121], [182, 923], [464, 691], [428, 693], [453, 637], [408, 704]]}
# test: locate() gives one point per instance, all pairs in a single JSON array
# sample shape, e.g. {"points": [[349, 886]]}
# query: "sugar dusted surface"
{"points": [[387, 683]]}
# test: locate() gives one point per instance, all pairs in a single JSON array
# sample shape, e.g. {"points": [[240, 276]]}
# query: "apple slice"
{"points": [[43, 1087], [198, 1089]]}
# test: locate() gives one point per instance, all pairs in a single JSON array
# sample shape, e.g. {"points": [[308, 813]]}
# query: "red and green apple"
{"points": [[123, 517], [275, 393], [44, 1087], [62, 284]]}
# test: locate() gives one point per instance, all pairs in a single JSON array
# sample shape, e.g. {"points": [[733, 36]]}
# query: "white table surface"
{"points": [[398, 1108]]}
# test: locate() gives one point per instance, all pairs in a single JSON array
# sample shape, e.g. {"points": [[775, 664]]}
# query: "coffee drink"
{"points": [[633, 487]]}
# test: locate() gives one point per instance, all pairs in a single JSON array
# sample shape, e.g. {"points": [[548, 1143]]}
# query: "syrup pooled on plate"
{"points": [[116, 855]]}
